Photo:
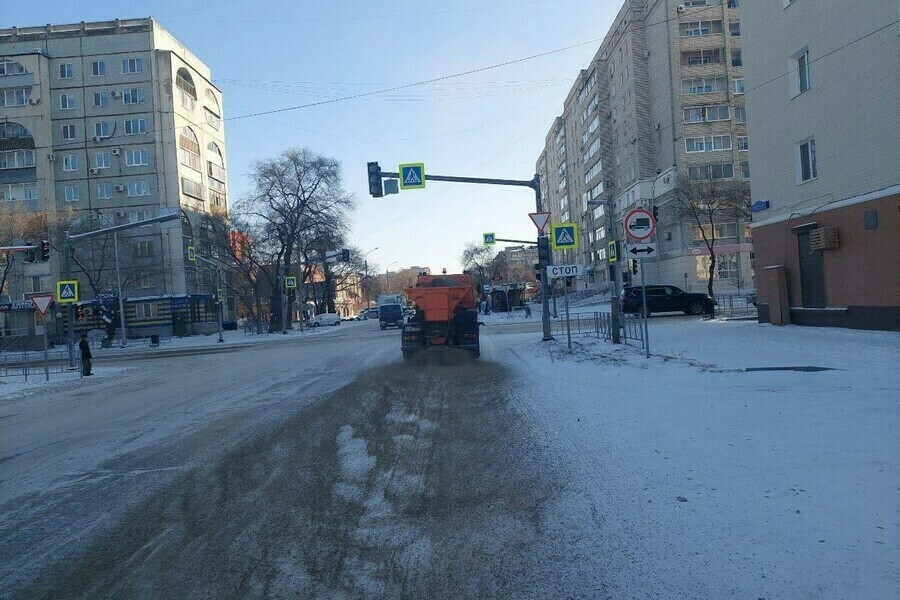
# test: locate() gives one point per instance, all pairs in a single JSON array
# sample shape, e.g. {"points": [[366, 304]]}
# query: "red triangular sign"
{"points": [[42, 303], [540, 220]]}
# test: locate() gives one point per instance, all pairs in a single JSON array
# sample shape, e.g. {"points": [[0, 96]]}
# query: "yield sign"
{"points": [[42, 302], [540, 220]]}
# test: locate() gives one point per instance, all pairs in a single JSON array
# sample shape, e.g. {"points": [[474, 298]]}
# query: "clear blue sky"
{"points": [[267, 54]]}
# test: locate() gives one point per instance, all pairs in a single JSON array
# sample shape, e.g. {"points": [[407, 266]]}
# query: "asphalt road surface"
{"points": [[321, 467]]}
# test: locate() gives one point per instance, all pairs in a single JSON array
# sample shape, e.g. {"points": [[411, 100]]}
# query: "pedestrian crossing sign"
{"points": [[412, 176], [564, 236], [490, 239], [66, 292], [290, 282]]}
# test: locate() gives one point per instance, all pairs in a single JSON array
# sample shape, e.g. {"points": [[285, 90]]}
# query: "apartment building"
{"points": [[660, 102], [823, 86], [111, 122]]}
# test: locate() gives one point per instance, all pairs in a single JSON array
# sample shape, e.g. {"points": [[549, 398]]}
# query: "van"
{"points": [[325, 319]]}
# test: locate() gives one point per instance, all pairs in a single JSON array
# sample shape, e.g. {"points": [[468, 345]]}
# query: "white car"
{"points": [[325, 319]]}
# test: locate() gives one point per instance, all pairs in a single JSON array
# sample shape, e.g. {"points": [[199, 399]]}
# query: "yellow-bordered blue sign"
{"points": [[490, 239], [412, 176], [290, 282], [564, 236], [66, 292]]}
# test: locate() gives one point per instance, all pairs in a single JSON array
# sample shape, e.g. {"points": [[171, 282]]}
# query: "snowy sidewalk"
{"points": [[712, 484]]}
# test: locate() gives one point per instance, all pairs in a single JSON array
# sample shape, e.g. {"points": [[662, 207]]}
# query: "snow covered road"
{"points": [[326, 468]]}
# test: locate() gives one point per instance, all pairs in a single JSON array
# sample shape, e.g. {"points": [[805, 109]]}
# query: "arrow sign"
{"points": [[540, 220], [42, 302], [642, 250]]}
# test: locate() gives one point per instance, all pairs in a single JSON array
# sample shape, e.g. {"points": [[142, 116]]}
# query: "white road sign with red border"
{"points": [[540, 220], [42, 302], [640, 224]]}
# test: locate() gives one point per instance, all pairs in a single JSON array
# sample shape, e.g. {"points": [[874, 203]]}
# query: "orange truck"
{"points": [[446, 315]]}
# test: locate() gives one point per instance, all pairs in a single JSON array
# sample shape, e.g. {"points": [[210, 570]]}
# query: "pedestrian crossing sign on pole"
{"points": [[412, 176], [290, 282], [66, 292], [564, 236], [489, 239]]}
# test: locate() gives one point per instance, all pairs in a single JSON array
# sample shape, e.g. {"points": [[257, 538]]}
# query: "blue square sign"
{"points": [[412, 176]]}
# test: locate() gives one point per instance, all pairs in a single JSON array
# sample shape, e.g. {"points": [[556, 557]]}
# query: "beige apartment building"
{"points": [[113, 122], [661, 100], [823, 90]]}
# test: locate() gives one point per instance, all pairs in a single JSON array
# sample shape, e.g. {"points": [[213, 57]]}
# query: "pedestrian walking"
{"points": [[86, 357]]}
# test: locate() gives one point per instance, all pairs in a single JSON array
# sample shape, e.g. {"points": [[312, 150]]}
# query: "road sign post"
{"points": [[568, 320], [564, 236], [640, 225], [42, 302], [489, 239]]}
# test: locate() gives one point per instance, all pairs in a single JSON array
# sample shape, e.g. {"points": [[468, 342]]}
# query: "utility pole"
{"points": [[119, 289], [219, 294], [615, 272]]}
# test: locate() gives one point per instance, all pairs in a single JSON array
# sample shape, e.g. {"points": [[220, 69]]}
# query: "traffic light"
{"points": [[45, 250], [537, 271], [376, 188], [345, 255], [655, 213], [79, 313], [544, 250], [634, 266]]}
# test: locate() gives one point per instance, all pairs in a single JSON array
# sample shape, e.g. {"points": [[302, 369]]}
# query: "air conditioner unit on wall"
{"points": [[681, 8], [96, 138], [116, 151], [115, 93], [34, 101], [824, 238], [93, 171], [120, 188], [51, 157]]}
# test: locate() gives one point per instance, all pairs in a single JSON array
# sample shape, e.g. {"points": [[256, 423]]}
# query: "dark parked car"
{"points": [[666, 298]]}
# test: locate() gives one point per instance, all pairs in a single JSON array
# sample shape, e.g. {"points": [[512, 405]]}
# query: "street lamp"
{"points": [[387, 276], [366, 263]]}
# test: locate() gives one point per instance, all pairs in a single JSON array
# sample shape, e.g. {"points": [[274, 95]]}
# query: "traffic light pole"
{"points": [[534, 184]]}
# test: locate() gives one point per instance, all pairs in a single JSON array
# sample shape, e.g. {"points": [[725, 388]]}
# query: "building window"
{"points": [[187, 93], [66, 101], [707, 144], [14, 97], [734, 3], [700, 28], [591, 152], [803, 71], [143, 249], [593, 171], [68, 132], [98, 68], [701, 57], [101, 99], [135, 126], [870, 219], [711, 172], [705, 85], [146, 310], [9, 67], [745, 169], [144, 281], [189, 148], [706, 114], [71, 193], [132, 65], [738, 85], [727, 266], [101, 129], [70, 162], [138, 188], [740, 114], [134, 96], [742, 144], [16, 159], [135, 158], [66, 71], [104, 191], [191, 188], [736, 60], [18, 191], [102, 160], [734, 28], [806, 166]]}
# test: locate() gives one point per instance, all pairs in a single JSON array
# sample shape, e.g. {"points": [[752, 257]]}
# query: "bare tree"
{"points": [[478, 257], [708, 204], [294, 194], [16, 227]]}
